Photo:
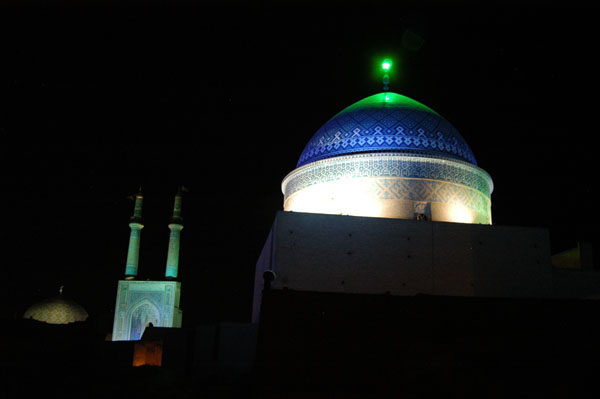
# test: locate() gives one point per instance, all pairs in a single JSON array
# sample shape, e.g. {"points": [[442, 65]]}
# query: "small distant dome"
{"points": [[56, 310]]}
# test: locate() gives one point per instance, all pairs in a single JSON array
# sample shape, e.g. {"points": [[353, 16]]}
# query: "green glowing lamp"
{"points": [[386, 65]]}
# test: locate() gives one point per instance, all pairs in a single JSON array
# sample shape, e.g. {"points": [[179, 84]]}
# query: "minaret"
{"points": [[133, 253], [143, 302], [175, 226]]}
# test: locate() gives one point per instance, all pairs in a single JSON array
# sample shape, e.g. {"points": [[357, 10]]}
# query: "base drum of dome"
{"points": [[391, 185]]}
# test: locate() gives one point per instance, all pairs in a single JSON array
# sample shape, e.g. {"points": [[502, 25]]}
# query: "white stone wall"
{"points": [[328, 253]]}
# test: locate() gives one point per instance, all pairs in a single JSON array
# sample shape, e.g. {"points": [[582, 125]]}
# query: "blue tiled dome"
{"points": [[387, 122]]}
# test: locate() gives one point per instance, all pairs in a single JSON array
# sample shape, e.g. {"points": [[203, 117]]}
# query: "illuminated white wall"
{"points": [[391, 185], [329, 253], [142, 302]]}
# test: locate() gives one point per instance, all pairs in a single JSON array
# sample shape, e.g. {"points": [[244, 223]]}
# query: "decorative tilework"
{"points": [[155, 298], [143, 302], [432, 191], [398, 124], [388, 165]]}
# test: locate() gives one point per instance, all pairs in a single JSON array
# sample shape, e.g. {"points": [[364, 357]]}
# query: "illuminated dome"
{"points": [[387, 122], [389, 156], [56, 310]]}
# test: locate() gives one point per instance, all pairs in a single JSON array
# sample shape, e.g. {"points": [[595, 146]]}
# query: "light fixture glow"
{"points": [[386, 65], [460, 214]]}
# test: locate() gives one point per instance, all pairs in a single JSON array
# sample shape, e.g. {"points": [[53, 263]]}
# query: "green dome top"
{"points": [[388, 100]]}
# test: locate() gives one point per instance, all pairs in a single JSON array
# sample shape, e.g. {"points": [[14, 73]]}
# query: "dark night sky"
{"points": [[96, 101]]}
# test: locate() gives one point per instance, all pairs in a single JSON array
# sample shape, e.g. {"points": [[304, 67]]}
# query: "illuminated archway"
{"points": [[140, 316]]}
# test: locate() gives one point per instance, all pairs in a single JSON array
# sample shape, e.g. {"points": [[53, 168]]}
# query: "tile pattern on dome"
{"points": [[432, 191], [56, 311], [376, 128], [388, 165]]}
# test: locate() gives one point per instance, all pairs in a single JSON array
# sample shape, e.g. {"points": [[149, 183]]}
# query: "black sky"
{"points": [[96, 101]]}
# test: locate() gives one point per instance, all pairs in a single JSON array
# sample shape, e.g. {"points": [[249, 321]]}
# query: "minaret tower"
{"points": [[141, 303], [175, 226], [133, 253]]}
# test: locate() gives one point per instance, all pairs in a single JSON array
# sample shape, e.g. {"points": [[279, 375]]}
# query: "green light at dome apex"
{"points": [[386, 65]]}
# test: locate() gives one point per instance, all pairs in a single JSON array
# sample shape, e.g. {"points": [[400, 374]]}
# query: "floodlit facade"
{"points": [[390, 156], [141, 304], [144, 303]]}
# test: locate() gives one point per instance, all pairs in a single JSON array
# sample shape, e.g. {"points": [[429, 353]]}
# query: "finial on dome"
{"points": [[386, 65]]}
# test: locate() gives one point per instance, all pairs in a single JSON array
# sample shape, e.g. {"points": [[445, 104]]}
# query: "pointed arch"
{"points": [[139, 316]]}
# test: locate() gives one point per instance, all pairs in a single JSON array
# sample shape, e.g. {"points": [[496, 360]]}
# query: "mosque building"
{"points": [[387, 197], [140, 304], [384, 264]]}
